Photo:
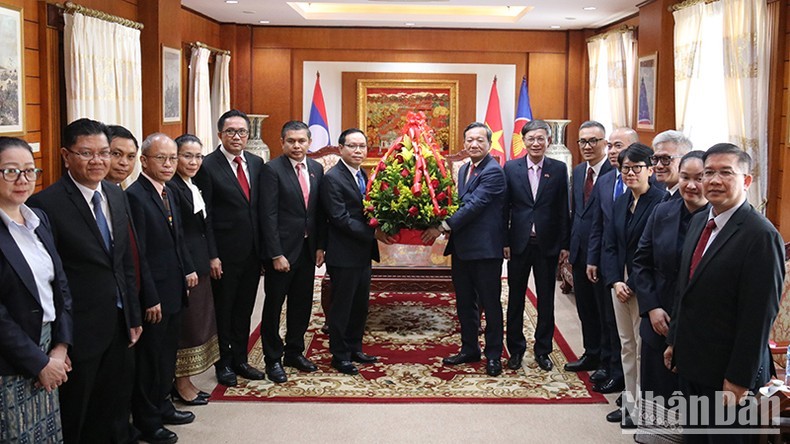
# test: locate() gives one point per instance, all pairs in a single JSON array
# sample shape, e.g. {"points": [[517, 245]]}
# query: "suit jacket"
{"points": [[351, 242], [284, 219], [21, 314], [723, 314], [548, 210], [233, 217], [161, 244], [478, 227], [95, 277], [621, 237], [198, 233], [581, 214], [601, 215]]}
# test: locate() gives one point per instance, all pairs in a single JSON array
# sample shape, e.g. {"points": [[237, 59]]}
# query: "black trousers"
{"points": [[518, 269], [156, 368], [234, 299], [689, 388], [297, 286], [587, 307], [479, 280], [655, 377], [349, 312]]}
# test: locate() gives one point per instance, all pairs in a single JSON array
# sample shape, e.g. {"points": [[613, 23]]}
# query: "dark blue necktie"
{"points": [[619, 187], [361, 182], [101, 221]]}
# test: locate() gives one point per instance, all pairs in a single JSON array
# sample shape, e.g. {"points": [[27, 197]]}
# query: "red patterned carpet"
{"points": [[410, 333]]}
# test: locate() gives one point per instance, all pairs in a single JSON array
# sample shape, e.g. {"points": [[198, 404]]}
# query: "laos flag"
{"points": [[318, 123]]}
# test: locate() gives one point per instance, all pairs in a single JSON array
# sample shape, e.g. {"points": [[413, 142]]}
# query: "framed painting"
{"points": [[382, 106], [171, 84], [12, 76], [646, 92]]}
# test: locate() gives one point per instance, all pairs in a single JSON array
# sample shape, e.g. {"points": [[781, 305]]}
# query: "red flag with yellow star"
{"points": [[494, 122]]}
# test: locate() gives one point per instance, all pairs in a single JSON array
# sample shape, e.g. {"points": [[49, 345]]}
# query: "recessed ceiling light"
{"points": [[409, 24], [590, 8], [248, 12], [264, 22], [555, 26], [232, 2], [570, 18]]}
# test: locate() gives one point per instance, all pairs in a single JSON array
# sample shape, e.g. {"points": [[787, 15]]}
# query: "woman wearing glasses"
{"points": [[35, 307], [629, 216], [197, 346]]}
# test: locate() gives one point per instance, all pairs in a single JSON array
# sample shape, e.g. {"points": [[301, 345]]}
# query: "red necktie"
{"points": [[245, 186], [588, 184], [302, 183], [703, 241]]}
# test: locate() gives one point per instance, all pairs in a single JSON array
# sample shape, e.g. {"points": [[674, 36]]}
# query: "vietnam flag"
{"points": [[318, 123], [494, 122], [523, 115]]}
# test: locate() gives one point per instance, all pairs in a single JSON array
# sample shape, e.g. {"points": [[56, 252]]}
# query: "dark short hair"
{"points": [[696, 154], [227, 115], [295, 125], [636, 152], [119, 132], [473, 125], [744, 159], [83, 127], [342, 139], [7, 143], [187, 138], [533, 125], [593, 124]]}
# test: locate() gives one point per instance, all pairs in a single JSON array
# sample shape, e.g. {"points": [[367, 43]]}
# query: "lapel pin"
{"points": [[546, 175]]}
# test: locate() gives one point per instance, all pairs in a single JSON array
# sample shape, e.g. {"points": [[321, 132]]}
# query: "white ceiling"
{"points": [[542, 14]]}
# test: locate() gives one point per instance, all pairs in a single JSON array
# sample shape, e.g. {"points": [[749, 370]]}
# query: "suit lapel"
{"points": [[81, 205], [229, 172], [526, 181], [180, 184], [17, 260], [293, 180], [732, 227]]}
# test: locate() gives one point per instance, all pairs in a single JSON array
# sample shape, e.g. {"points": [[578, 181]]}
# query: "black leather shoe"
{"points": [[460, 358], [514, 363], [615, 416], [203, 394], [619, 401], [247, 371], [493, 367], [609, 386], [363, 358], [544, 362], [276, 373], [159, 436], [226, 377], [345, 367], [299, 362], [198, 400], [584, 364], [599, 375], [178, 417], [627, 422]]}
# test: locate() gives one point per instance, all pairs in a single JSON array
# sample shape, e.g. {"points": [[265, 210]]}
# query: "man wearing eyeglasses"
{"points": [[669, 146], [228, 179], [90, 224], [157, 216]]}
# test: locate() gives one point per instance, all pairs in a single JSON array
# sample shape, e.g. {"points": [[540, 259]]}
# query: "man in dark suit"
{"points": [[592, 145], [350, 246], [669, 146], [730, 282], [477, 241], [229, 182], [538, 236], [157, 217], [291, 227], [90, 224]]}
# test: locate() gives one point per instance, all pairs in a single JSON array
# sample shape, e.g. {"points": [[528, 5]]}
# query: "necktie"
{"points": [[534, 179], [166, 203], [245, 186], [703, 241], [361, 182], [588, 184], [471, 172], [302, 183], [101, 221], [619, 187]]}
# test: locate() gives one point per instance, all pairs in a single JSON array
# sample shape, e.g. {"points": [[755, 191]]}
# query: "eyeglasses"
{"points": [[162, 159], [665, 160], [230, 132], [12, 174], [592, 142], [635, 168], [90, 155], [191, 157], [723, 174], [531, 140], [357, 147]]}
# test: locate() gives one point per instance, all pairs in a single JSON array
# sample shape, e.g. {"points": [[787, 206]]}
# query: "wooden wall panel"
{"points": [[547, 79], [122, 8], [196, 27], [272, 92]]}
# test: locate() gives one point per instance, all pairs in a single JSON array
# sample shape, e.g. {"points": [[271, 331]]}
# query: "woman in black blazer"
{"points": [[198, 349], [35, 307]]}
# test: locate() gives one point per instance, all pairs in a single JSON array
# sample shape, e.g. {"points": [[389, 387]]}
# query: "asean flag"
{"points": [[523, 115], [319, 128], [494, 122]]}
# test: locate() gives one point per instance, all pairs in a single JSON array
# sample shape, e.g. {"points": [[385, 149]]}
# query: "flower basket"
{"points": [[410, 190]]}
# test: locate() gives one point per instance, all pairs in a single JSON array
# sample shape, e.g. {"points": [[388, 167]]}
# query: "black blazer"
{"points": [[162, 246], [548, 211], [233, 217], [95, 277], [284, 219], [350, 241], [603, 193], [20, 305], [581, 214], [723, 314], [198, 233]]}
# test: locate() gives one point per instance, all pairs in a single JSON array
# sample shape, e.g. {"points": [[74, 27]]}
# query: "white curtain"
{"points": [[103, 74], [612, 64], [199, 113], [220, 90], [598, 96]]}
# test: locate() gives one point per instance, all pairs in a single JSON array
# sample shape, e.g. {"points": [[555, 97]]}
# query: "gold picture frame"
{"points": [[12, 71], [646, 86]]}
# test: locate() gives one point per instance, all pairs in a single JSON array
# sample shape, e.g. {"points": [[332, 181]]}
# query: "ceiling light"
{"points": [[264, 22], [231, 2], [570, 18], [555, 26], [590, 8], [409, 24]]}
